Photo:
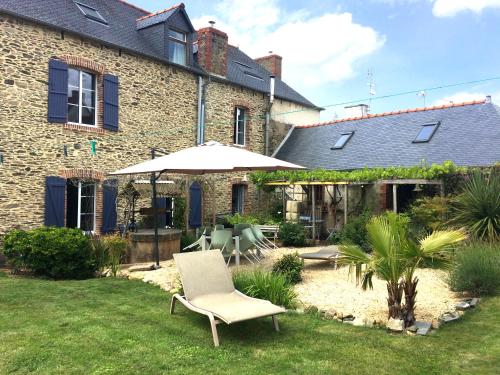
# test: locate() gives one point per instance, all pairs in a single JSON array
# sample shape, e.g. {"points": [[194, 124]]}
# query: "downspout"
{"points": [[268, 115], [199, 124]]}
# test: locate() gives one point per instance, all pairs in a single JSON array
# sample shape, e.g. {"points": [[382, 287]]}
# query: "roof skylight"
{"points": [[250, 74], [91, 13], [426, 132], [341, 142]]}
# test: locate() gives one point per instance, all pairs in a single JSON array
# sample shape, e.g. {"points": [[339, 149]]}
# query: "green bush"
{"points": [[354, 232], [476, 269], [266, 285], [179, 218], [59, 253], [429, 213], [292, 234], [250, 219], [290, 266], [117, 247], [186, 240]]}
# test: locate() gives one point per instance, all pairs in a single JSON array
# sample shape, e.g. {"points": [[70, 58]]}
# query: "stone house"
{"points": [[89, 86]]}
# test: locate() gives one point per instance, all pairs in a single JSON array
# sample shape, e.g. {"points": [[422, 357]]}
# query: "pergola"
{"points": [[345, 185]]}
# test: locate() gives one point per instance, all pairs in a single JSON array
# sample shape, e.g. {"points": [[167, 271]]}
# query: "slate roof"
{"points": [[468, 135], [121, 32]]}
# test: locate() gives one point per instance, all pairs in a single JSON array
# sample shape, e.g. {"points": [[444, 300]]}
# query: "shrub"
{"points": [[292, 234], [59, 253], [178, 218], [249, 219], [478, 206], [116, 247], [266, 285], [476, 269], [290, 266], [429, 213], [354, 231], [186, 240]]}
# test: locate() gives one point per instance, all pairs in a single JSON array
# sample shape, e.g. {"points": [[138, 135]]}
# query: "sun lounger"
{"points": [[209, 290], [327, 253]]}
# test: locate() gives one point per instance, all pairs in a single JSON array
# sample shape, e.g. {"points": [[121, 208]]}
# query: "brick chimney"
{"points": [[272, 63], [212, 50]]}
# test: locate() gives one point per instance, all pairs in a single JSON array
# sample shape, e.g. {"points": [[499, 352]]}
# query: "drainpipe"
{"points": [[268, 114], [199, 125]]}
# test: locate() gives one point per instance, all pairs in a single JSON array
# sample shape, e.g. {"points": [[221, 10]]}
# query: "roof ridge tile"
{"points": [[409, 110], [181, 5]]}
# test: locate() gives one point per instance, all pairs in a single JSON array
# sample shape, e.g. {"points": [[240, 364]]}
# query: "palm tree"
{"points": [[395, 257]]}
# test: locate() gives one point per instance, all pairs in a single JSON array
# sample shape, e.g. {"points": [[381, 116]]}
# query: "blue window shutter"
{"points": [[195, 205], [110, 101], [55, 190], [109, 194], [58, 91]]}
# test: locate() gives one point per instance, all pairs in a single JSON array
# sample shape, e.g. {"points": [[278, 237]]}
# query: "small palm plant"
{"points": [[395, 257], [478, 206]]}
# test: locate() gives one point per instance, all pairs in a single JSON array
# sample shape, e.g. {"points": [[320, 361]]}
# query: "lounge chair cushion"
{"points": [[327, 253], [235, 307], [203, 272]]}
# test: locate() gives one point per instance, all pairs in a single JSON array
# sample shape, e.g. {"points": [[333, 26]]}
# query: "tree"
{"points": [[395, 257]]}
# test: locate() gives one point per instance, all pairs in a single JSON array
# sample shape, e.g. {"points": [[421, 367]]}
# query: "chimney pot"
{"points": [[488, 99]]}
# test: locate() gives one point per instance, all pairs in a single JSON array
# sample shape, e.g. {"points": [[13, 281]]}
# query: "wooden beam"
{"points": [[410, 181], [346, 198], [287, 183], [395, 197], [313, 213]]}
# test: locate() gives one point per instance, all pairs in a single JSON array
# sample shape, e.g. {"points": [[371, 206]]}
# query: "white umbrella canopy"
{"points": [[211, 157]]}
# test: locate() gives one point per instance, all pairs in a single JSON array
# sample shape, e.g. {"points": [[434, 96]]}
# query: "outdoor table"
{"points": [[236, 246]]}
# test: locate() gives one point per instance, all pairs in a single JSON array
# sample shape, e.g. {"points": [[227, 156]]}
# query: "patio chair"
{"points": [[218, 227], [329, 253], [209, 290], [261, 238], [198, 242], [222, 240], [248, 241], [239, 227]]}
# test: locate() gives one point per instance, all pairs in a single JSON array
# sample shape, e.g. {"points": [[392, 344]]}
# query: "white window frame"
{"points": [[183, 41], [80, 102], [78, 219], [236, 127]]}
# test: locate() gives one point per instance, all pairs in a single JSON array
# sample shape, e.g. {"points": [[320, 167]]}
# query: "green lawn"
{"points": [[111, 326]]}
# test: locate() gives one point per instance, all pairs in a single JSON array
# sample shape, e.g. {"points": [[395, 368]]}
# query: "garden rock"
{"points": [[423, 328], [449, 317], [140, 268], [462, 305], [395, 325], [348, 318]]}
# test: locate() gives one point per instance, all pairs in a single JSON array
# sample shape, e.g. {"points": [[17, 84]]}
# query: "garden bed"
{"points": [[335, 291]]}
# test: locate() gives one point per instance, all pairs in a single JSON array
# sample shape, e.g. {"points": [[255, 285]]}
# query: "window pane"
{"points": [[425, 133], [342, 140], [87, 189], [239, 127], [73, 113], [87, 205], [87, 222], [88, 116], [177, 35], [73, 77], [73, 96], [88, 98], [177, 52], [88, 81]]}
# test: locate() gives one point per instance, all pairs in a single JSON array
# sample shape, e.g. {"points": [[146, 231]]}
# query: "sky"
{"points": [[329, 47]]}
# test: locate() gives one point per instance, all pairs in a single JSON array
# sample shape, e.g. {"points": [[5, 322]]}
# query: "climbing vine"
{"points": [[422, 171]]}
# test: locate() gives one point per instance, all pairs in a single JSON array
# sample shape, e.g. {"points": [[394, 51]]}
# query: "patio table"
{"points": [[236, 246]]}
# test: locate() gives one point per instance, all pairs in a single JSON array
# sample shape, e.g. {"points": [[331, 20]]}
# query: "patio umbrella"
{"points": [[211, 157]]}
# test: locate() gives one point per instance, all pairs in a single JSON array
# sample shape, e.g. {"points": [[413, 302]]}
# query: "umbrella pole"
{"points": [[156, 249]]}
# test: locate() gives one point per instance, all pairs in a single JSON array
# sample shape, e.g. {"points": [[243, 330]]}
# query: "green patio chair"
{"points": [[238, 228], [218, 227], [199, 242], [248, 242], [262, 239], [222, 240]]}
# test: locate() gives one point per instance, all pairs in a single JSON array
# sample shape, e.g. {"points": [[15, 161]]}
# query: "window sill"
{"points": [[84, 128], [238, 145]]}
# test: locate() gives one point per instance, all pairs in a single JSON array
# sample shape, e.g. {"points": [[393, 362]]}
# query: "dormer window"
{"points": [[177, 46]]}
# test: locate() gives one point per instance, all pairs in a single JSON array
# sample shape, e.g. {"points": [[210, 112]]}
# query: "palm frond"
{"points": [[441, 241], [355, 258]]}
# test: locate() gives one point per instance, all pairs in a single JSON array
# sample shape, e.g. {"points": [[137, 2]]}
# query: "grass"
{"points": [[111, 326]]}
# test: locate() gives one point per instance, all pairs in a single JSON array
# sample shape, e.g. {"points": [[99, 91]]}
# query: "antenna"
{"points": [[423, 94], [371, 87]]}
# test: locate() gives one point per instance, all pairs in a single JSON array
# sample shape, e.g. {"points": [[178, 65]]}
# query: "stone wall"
{"points": [[158, 108]]}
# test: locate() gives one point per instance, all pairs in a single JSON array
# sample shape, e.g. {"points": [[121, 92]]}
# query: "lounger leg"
{"points": [[275, 322], [172, 304], [213, 325]]}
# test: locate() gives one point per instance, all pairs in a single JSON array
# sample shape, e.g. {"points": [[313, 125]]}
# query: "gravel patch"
{"points": [[335, 290]]}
